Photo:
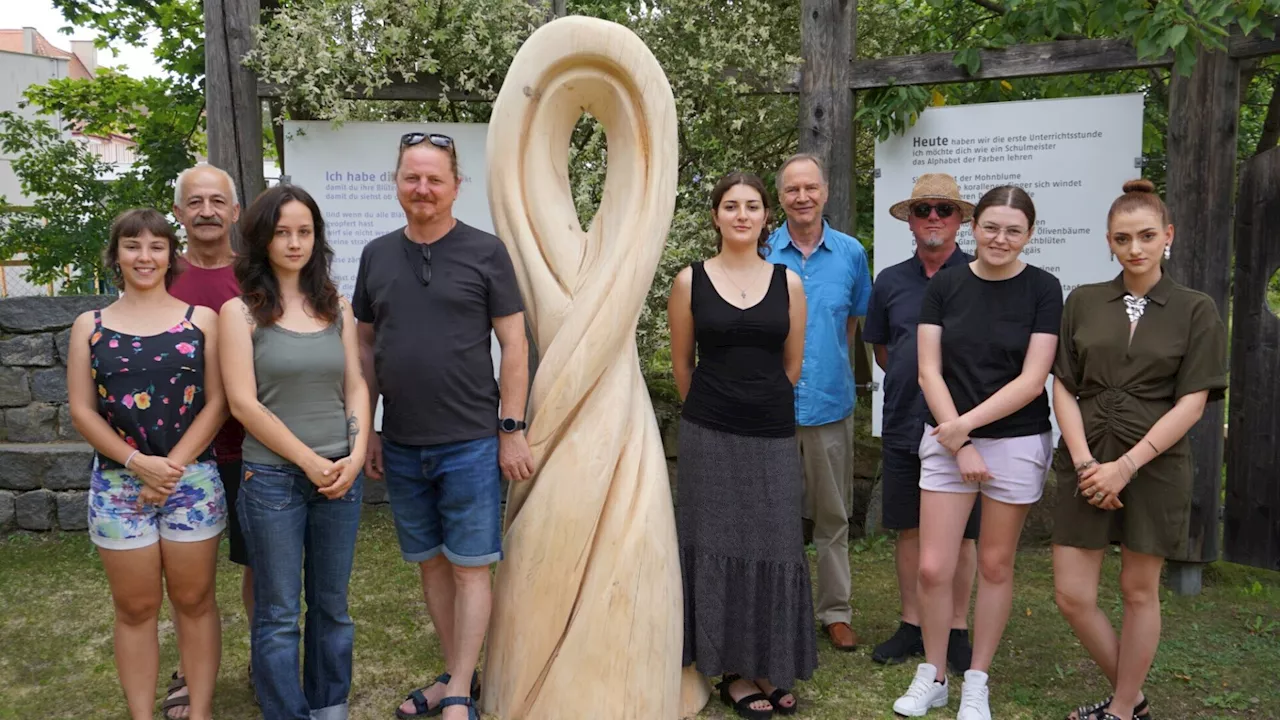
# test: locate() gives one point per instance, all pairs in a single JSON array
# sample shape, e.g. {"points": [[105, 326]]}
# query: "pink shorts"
{"points": [[1018, 466]]}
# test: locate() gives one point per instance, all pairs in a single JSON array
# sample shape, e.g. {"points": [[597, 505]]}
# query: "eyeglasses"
{"points": [[922, 210], [423, 271], [417, 138]]}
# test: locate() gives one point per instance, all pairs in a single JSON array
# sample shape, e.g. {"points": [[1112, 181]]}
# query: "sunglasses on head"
{"points": [[922, 210], [417, 138]]}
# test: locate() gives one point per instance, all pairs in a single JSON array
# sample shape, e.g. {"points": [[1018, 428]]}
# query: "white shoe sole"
{"points": [[912, 712]]}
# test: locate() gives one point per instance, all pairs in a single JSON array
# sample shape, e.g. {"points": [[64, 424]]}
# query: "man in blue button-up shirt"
{"points": [[837, 284]]}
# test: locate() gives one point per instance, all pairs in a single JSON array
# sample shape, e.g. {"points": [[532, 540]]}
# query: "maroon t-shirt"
{"points": [[212, 288]]}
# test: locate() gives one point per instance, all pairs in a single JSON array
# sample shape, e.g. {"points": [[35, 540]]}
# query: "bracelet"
{"points": [[129, 459], [1132, 464], [1086, 465]]}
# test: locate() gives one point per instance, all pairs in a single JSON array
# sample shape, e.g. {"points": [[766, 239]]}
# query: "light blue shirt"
{"points": [[837, 285]]}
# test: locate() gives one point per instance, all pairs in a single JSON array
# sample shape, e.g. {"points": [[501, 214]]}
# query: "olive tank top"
{"points": [[300, 380]]}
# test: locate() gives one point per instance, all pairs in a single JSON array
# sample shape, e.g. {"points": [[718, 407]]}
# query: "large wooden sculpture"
{"points": [[587, 607]]}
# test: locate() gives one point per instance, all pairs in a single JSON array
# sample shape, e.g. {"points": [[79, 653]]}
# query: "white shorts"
{"points": [[1018, 466]]}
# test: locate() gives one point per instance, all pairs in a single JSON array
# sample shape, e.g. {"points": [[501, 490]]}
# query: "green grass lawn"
{"points": [[1219, 656]]}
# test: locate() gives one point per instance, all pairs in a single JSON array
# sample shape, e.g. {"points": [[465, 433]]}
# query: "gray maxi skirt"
{"points": [[748, 606]]}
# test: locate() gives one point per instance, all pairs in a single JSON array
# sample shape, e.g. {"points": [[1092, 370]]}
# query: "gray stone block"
{"points": [[31, 424], [66, 429], [40, 314], [49, 386], [14, 388], [68, 467], [28, 350], [35, 510], [375, 492], [7, 512], [22, 468], [73, 510], [62, 340]]}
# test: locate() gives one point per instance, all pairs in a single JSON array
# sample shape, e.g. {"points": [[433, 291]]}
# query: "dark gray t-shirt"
{"points": [[432, 342]]}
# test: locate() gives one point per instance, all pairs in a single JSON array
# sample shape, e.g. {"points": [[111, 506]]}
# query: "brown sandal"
{"points": [[176, 683]]}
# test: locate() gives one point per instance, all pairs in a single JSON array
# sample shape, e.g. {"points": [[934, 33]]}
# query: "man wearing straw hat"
{"points": [[934, 213], [837, 283]]}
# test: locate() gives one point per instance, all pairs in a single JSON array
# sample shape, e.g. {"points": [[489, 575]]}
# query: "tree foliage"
{"points": [[63, 232], [77, 194], [715, 52]]}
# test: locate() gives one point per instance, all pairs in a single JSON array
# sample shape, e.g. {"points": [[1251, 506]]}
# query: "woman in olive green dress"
{"points": [[1138, 359]]}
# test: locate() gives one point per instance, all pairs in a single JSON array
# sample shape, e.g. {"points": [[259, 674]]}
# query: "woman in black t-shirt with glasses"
{"points": [[748, 609], [987, 337]]}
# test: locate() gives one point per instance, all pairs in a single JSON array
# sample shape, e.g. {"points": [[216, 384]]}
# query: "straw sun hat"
{"points": [[934, 186]]}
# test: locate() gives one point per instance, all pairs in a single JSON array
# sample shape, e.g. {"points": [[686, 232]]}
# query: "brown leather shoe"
{"points": [[842, 636]]}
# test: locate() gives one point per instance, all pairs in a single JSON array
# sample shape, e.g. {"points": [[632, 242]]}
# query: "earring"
{"points": [[1167, 251], [1113, 257]]}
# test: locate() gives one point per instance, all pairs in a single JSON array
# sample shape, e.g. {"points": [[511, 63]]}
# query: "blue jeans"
{"points": [[299, 540], [446, 498]]}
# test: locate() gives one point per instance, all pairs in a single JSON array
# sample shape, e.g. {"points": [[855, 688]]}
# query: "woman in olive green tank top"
{"points": [[293, 380]]}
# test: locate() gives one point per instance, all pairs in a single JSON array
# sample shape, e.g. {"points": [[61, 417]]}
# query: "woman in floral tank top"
{"points": [[145, 392]]}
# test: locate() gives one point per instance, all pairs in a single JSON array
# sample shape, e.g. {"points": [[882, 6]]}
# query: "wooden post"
{"points": [[1203, 113], [1252, 527], [231, 94], [827, 31]]}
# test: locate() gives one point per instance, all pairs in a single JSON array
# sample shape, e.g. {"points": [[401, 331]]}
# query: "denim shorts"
{"points": [[447, 499], [195, 511]]}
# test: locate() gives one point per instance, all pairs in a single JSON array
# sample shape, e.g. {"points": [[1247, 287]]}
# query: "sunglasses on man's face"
{"points": [[922, 210], [417, 138]]}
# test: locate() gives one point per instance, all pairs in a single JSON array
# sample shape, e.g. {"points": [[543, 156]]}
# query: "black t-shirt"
{"points": [[986, 326], [432, 342]]}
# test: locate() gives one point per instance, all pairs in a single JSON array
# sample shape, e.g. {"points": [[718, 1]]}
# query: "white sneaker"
{"points": [[924, 694], [973, 697]]}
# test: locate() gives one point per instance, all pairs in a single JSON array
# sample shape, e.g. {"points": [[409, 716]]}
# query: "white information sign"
{"points": [[1071, 155], [350, 171]]}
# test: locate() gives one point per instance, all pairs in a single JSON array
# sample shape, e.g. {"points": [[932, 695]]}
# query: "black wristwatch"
{"points": [[510, 425]]}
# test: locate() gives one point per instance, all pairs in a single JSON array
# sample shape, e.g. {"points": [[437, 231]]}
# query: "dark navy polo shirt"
{"points": [[892, 315]]}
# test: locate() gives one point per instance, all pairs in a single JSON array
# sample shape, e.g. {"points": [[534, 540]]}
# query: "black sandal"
{"points": [[776, 700], [472, 713], [421, 708], [1096, 710], [176, 683], [742, 706]]}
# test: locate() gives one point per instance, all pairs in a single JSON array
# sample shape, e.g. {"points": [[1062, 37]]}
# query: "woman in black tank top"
{"points": [[144, 390], [737, 344]]}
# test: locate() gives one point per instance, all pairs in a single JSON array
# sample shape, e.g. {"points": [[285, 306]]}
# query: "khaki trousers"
{"points": [[826, 452]]}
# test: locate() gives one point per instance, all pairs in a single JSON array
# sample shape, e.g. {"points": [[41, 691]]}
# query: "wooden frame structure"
{"points": [[1201, 151]]}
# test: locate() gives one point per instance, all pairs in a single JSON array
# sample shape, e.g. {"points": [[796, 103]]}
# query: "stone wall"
{"points": [[44, 463]]}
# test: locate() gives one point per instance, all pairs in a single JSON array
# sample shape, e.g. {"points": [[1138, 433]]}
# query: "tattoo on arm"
{"points": [[248, 316], [269, 413], [353, 427]]}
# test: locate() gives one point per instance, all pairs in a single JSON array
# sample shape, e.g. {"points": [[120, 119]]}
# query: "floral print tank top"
{"points": [[150, 387]]}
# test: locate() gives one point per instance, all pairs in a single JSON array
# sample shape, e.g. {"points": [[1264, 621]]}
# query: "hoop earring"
{"points": [[1167, 251]]}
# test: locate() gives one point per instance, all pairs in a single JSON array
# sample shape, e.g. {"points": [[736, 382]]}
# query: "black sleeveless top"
{"points": [[740, 384], [149, 388]]}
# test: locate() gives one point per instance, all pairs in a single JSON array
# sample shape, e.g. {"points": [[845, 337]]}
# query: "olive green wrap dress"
{"points": [[1125, 386]]}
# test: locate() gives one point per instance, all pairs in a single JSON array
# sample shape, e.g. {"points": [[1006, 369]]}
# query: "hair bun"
{"points": [[1141, 185]]}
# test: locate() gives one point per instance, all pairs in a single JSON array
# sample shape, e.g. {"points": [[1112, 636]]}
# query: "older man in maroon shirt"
{"points": [[205, 202]]}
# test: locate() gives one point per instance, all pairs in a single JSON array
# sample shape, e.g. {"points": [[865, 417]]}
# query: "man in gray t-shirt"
{"points": [[427, 298]]}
